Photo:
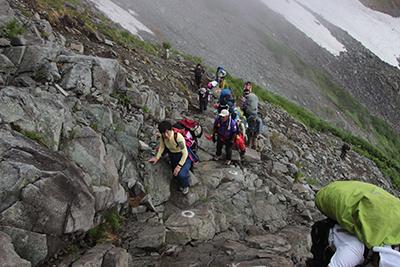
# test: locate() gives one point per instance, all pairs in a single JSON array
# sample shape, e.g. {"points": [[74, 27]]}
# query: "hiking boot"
{"points": [[228, 162], [243, 154], [185, 190], [180, 188], [216, 158]]}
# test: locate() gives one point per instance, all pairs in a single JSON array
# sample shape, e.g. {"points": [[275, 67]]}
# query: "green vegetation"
{"points": [[11, 29], [73, 132], [145, 109], [105, 232], [94, 126], [312, 181], [197, 60], [298, 176], [40, 139], [166, 45]]}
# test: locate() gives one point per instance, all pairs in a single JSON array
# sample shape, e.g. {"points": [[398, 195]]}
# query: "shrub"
{"points": [[166, 45], [11, 29]]}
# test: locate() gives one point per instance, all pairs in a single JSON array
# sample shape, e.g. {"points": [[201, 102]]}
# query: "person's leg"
{"points": [[228, 147], [183, 175], [219, 147]]}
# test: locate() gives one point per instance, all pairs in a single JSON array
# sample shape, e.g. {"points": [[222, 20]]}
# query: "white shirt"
{"points": [[349, 249]]}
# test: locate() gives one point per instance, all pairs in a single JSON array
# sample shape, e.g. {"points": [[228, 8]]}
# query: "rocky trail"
{"points": [[93, 162]]}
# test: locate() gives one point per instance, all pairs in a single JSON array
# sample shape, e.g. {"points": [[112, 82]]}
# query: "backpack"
{"points": [[185, 133], [320, 248], [194, 127]]}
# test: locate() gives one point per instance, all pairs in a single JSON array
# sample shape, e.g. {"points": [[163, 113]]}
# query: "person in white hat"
{"points": [[224, 134]]}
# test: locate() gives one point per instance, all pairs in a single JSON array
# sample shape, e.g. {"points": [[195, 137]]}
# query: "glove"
{"points": [[198, 101], [214, 138]]}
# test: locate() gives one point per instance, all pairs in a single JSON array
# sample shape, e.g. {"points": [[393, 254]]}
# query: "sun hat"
{"points": [[224, 113]]}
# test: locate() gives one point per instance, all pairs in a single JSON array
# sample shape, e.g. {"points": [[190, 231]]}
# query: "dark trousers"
{"points": [[203, 104], [183, 175], [343, 155], [198, 80], [228, 147]]}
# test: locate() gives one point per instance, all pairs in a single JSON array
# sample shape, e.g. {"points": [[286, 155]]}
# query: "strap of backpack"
{"points": [[368, 255]]}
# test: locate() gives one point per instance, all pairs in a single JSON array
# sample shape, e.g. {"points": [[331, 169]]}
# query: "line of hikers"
{"points": [[230, 127]]}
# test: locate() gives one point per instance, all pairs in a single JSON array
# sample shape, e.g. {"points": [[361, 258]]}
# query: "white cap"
{"points": [[224, 113], [388, 256]]}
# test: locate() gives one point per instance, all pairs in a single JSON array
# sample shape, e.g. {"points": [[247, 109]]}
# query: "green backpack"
{"points": [[363, 209]]}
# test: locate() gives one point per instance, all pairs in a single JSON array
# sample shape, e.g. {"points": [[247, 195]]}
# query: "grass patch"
{"points": [[11, 29], [312, 181], [105, 232]]}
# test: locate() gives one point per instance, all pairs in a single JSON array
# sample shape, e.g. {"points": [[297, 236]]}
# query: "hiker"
{"points": [[240, 136], [247, 86], [219, 74], [224, 105], [203, 97], [345, 149], [224, 134], [222, 83], [178, 154], [249, 103], [198, 74], [223, 94], [371, 213], [254, 130]]}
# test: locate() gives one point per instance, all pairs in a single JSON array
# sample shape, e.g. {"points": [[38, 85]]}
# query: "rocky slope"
{"points": [[74, 150]]}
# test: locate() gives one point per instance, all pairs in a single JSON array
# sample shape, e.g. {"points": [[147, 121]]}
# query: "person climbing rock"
{"points": [[224, 134]]}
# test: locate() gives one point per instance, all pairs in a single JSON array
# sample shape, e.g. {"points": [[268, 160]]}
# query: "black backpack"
{"points": [[320, 248]]}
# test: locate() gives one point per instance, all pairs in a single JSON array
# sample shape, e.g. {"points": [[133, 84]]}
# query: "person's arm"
{"points": [[160, 150]]}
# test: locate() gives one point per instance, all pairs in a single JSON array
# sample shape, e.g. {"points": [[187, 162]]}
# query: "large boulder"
{"points": [[81, 73], [41, 191], [87, 149], [40, 113]]}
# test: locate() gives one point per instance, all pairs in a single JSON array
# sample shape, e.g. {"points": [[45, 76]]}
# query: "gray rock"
{"points": [[8, 256], [6, 13], [197, 223], [29, 245]]}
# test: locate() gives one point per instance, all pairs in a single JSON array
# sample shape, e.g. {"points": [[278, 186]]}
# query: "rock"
{"points": [[29, 245], [197, 223], [6, 13], [8, 256]]}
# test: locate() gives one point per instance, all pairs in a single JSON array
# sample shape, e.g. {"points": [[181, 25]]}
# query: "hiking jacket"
{"points": [[204, 93], [219, 74], [198, 73], [345, 147], [243, 103], [223, 127], [255, 126], [174, 147]]}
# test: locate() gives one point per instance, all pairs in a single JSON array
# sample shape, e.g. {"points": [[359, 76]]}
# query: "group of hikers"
{"points": [[362, 225], [232, 126]]}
